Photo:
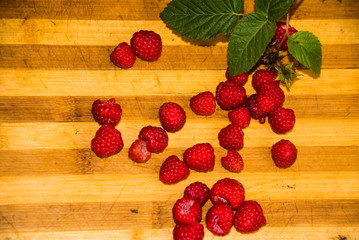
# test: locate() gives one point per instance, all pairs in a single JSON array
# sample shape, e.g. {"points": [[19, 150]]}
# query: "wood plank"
{"points": [[51, 57], [157, 82], [101, 32], [83, 161], [150, 9], [126, 187]]}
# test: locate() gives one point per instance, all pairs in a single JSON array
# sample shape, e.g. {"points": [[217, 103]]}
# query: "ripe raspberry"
{"points": [[203, 103], [173, 170], [198, 191], [249, 217], [256, 112], [172, 117], [240, 79], [107, 141], [270, 98], [193, 231], [231, 137], [281, 120], [233, 161], [230, 95], [240, 115], [138, 151], [280, 34], [264, 77], [123, 56], [106, 111], [200, 157], [186, 211], [147, 45], [284, 153], [156, 137], [219, 219], [228, 191]]}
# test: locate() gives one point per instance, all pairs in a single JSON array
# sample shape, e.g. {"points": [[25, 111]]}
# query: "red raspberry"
{"points": [[200, 157], [138, 151], [280, 34], [172, 117], [123, 56], [233, 161], [173, 170], [270, 98], [230, 95], [107, 141], [186, 211], [240, 115], [228, 191], [156, 137], [193, 231], [240, 79], [249, 217], [147, 45], [256, 112], [198, 191], [203, 103], [284, 153], [106, 111], [231, 137], [219, 219], [264, 77], [281, 120]]}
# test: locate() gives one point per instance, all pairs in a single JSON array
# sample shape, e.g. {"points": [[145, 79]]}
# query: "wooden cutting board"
{"points": [[54, 62]]}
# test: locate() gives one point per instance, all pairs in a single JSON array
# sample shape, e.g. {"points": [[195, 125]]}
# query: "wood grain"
{"points": [[54, 62]]}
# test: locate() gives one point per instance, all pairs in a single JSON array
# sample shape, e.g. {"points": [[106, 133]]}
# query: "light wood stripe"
{"points": [[101, 32]]}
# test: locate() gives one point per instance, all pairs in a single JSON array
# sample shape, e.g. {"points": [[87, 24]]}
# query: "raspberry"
{"points": [[228, 191], [193, 231], [147, 45], [233, 161], [173, 170], [231, 137], [123, 56], [203, 103], [270, 98], [240, 79], [138, 151], [219, 219], [240, 115], [230, 95], [256, 112], [198, 191], [249, 217], [106, 111], [280, 34], [172, 117], [264, 77], [156, 137], [187, 210], [107, 141], [200, 157], [284, 153], [281, 120]]}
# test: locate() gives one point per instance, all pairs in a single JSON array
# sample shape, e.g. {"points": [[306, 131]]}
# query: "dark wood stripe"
{"points": [[49, 162], [154, 215], [78, 109], [150, 9]]}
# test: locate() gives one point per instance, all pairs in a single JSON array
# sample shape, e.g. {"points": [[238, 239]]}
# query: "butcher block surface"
{"points": [[54, 63]]}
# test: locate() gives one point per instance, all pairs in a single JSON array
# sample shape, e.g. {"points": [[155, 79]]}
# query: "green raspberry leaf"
{"points": [[274, 9], [248, 42], [202, 19], [307, 49]]}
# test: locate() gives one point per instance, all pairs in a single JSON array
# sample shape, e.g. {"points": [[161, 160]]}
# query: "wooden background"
{"points": [[54, 60]]}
